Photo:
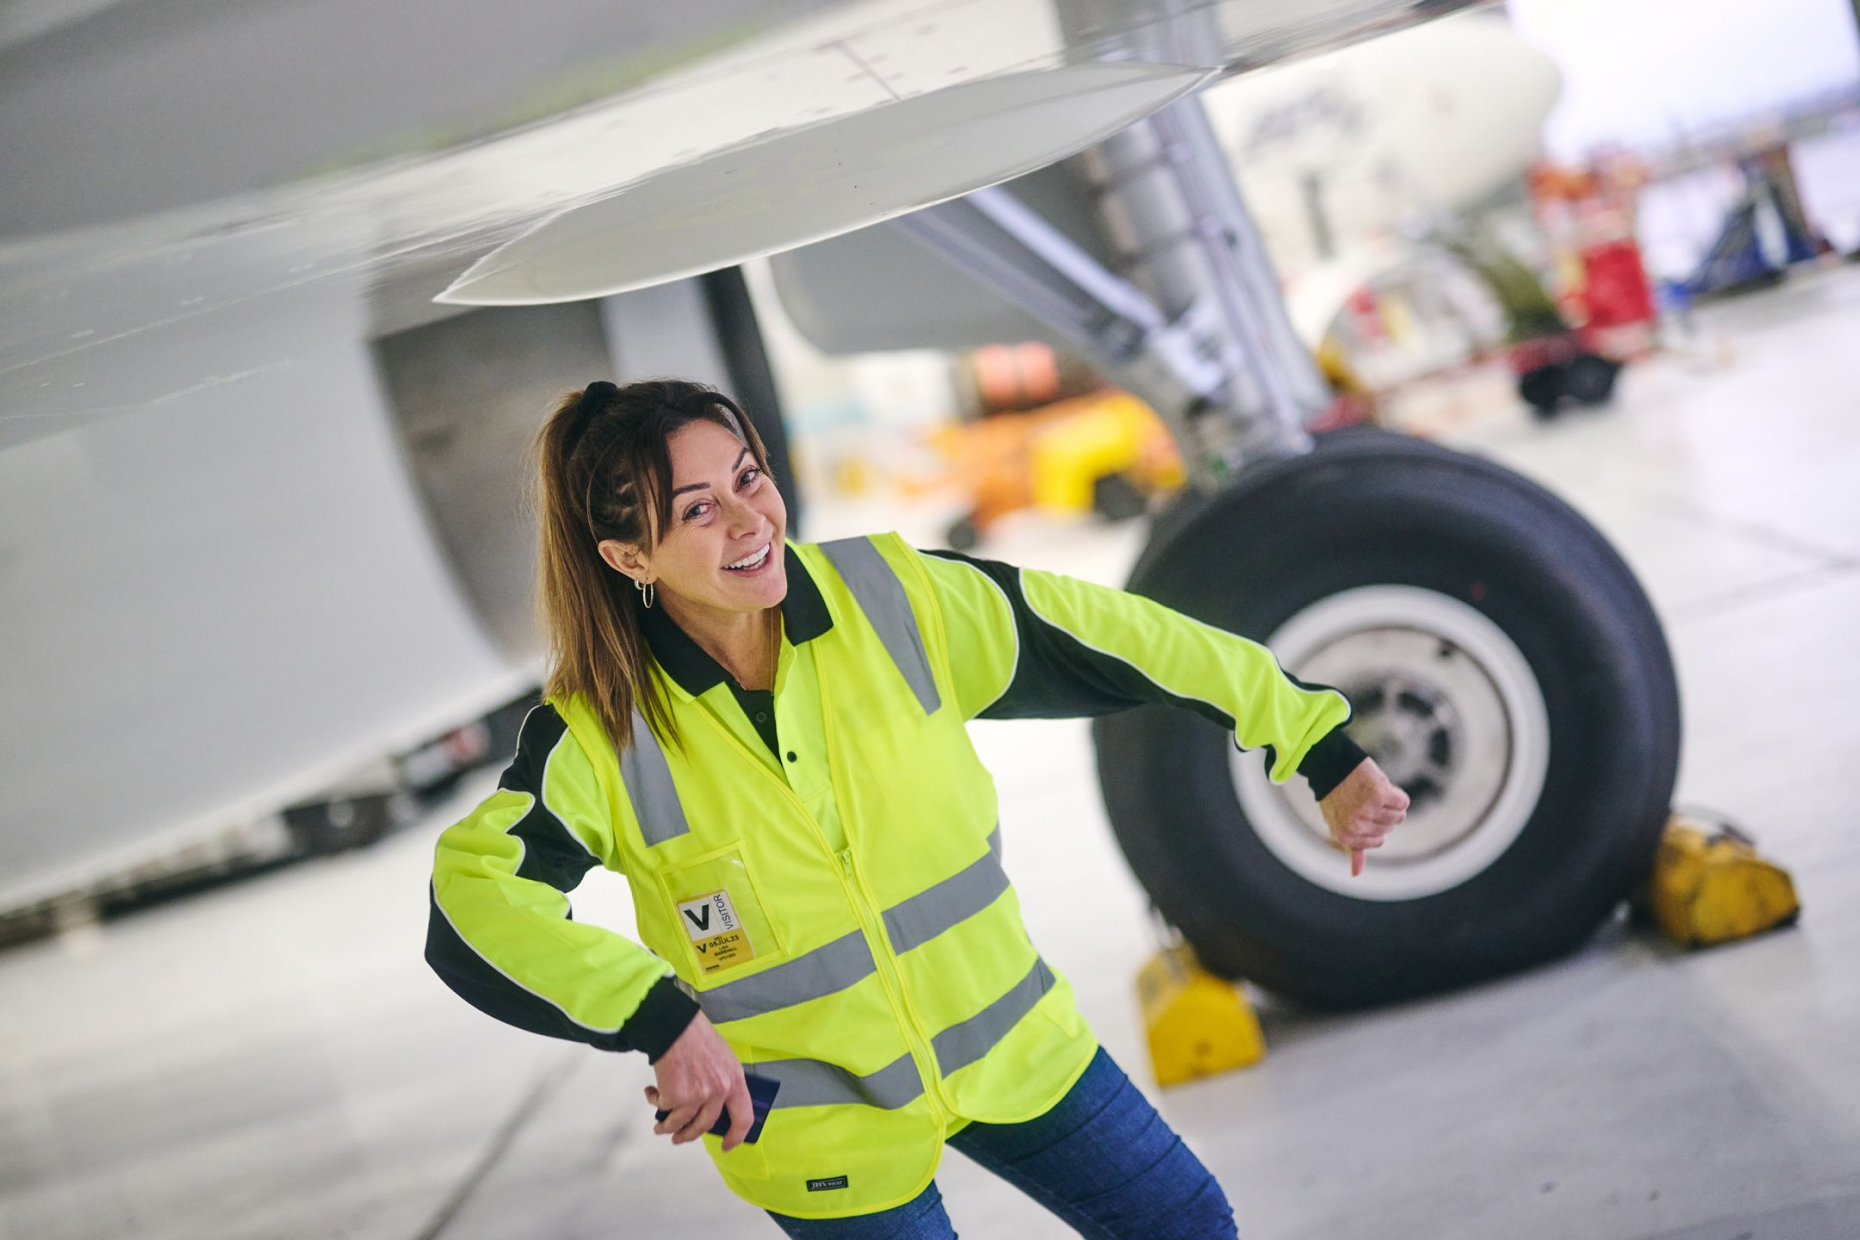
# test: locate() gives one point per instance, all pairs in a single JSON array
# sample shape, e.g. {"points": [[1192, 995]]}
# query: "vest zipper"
{"points": [[925, 1058], [864, 905]]}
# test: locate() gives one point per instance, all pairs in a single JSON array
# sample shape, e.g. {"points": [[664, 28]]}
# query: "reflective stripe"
{"points": [[649, 787], [962, 1044], [824, 971], [847, 960], [813, 1083], [954, 900], [881, 597]]}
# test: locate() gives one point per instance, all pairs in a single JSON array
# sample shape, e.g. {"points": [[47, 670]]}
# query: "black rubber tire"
{"points": [[1589, 379], [1368, 508], [1542, 389]]}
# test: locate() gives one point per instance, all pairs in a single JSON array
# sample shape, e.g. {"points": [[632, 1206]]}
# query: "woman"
{"points": [[767, 739]]}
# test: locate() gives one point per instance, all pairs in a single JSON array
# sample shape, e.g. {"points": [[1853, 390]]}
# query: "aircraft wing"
{"points": [[163, 158]]}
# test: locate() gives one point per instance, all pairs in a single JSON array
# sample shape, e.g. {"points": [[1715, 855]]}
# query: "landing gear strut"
{"points": [[1502, 661]]}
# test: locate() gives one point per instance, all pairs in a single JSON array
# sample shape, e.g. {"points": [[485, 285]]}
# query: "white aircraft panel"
{"points": [[213, 607]]}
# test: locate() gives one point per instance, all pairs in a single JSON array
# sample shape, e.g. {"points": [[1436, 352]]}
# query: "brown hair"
{"points": [[605, 471]]}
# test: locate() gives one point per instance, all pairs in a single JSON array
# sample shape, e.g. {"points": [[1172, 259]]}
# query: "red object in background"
{"points": [[1588, 217], [1614, 285], [1617, 299]]}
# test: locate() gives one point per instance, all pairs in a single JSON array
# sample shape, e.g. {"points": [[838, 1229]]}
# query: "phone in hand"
{"points": [[762, 1090]]}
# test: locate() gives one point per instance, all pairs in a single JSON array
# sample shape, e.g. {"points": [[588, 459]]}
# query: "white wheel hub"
{"points": [[1446, 704]]}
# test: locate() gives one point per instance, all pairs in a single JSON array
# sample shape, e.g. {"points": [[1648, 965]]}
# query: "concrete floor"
{"points": [[274, 1060]]}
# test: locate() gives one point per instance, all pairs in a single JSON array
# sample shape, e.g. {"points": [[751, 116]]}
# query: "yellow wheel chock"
{"points": [[1198, 1024], [1710, 886]]}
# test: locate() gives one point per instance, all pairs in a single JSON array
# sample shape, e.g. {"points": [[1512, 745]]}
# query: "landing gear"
{"points": [[1502, 661], [1504, 667]]}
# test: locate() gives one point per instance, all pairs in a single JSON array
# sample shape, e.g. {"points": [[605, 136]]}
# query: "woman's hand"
{"points": [[1362, 810], [698, 1078]]}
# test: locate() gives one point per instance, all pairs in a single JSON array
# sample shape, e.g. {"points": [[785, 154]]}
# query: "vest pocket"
{"points": [[746, 1162], [714, 900]]}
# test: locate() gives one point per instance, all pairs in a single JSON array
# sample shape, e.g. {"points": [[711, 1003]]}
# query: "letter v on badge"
{"points": [[715, 932]]}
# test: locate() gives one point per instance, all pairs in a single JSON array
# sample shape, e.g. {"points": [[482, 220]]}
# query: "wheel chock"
{"points": [[1710, 886], [1198, 1024]]}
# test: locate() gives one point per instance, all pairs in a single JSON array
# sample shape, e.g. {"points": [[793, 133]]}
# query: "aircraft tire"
{"points": [[1504, 665]]}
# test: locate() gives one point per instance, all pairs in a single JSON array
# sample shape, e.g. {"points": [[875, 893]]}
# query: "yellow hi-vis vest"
{"points": [[890, 987]]}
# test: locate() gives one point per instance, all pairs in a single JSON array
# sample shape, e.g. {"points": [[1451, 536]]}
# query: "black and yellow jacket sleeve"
{"points": [[500, 931], [1025, 643]]}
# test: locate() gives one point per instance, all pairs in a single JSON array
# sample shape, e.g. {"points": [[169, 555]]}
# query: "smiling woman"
{"points": [[768, 740], [711, 566]]}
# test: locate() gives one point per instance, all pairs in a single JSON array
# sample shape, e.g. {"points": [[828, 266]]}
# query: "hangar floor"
{"points": [[273, 1060]]}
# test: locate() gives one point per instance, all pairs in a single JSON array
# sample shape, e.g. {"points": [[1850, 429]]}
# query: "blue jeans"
{"points": [[1101, 1159]]}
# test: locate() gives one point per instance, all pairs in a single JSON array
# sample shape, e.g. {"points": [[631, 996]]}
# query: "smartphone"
{"points": [[762, 1090]]}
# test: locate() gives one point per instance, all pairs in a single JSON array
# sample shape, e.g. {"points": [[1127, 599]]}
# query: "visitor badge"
{"points": [[716, 932]]}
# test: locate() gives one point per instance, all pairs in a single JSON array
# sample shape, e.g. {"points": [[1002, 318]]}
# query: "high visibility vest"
{"points": [[890, 987]]}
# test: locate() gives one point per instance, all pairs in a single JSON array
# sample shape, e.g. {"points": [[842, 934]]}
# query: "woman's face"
{"points": [[725, 512]]}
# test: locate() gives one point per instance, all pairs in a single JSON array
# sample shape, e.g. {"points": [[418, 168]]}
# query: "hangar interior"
{"points": [[1607, 250]]}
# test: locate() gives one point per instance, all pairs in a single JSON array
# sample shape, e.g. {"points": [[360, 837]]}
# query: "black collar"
{"points": [[804, 617]]}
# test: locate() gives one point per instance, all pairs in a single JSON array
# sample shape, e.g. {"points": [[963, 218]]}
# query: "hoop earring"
{"points": [[647, 592]]}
